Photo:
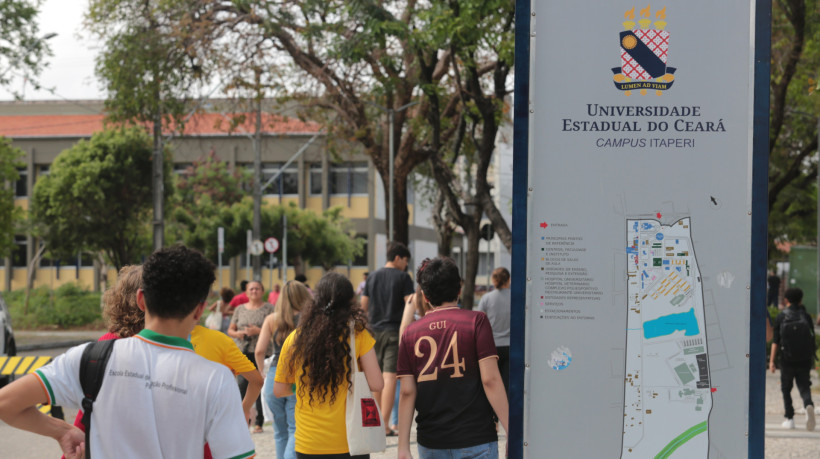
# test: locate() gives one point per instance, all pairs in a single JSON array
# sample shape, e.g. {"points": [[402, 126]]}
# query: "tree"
{"points": [[793, 123], [22, 50], [97, 197], [148, 68], [324, 240], [354, 60], [202, 200], [9, 214]]}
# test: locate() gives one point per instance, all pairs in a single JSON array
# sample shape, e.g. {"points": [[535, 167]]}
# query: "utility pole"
{"points": [[158, 187], [257, 177]]}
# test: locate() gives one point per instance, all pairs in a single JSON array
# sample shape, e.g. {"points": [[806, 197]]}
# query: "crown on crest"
{"points": [[645, 21]]}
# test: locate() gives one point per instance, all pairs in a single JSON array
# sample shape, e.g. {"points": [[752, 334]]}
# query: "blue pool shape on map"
{"points": [[666, 325]]}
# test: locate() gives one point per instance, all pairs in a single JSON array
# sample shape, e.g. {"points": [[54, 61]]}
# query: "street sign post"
{"points": [[271, 246], [220, 244]]}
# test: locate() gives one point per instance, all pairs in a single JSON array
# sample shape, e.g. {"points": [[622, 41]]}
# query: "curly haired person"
{"points": [[316, 359]]}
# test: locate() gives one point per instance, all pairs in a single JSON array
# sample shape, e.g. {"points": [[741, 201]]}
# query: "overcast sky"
{"points": [[71, 68]]}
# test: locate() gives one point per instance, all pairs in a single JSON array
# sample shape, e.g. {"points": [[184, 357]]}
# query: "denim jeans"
{"points": [[394, 416], [284, 423], [484, 451]]}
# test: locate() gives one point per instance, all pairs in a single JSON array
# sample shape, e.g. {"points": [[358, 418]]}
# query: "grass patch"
{"points": [[69, 306]]}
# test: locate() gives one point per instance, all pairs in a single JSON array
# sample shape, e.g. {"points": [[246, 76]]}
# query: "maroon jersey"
{"points": [[441, 351]]}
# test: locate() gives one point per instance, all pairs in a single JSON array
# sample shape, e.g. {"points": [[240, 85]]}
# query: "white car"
{"points": [[7, 345]]}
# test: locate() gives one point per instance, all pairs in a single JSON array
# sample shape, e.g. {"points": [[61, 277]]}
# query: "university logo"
{"points": [[644, 52]]}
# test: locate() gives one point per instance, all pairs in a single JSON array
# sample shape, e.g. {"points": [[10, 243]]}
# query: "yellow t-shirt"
{"points": [[320, 428], [220, 348]]}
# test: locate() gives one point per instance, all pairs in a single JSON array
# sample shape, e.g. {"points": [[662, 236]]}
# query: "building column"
{"points": [[371, 216], [325, 176], [30, 193], [304, 176]]}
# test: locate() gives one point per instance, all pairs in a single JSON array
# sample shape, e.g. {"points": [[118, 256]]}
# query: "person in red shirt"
{"points": [[449, 374], [242, 298]]}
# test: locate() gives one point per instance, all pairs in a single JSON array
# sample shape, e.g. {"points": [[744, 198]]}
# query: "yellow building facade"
{"points": [[315, 180]]}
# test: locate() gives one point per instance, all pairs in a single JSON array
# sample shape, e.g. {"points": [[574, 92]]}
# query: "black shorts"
{"points": [[387, 349]]}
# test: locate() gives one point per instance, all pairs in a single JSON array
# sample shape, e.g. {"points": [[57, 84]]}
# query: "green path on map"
{"points": [[681, 439]]}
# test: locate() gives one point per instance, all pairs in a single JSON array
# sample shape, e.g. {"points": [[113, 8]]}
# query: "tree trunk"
{"points": [[401, 215], [444, 228], [471, 265], [30, 275]]}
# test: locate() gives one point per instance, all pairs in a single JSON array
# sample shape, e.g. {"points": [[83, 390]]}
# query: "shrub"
{"points": [[68, 306]]}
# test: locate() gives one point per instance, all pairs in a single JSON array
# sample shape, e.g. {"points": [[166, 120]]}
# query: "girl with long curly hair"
{"points": [[292, 300], [315, 360]]}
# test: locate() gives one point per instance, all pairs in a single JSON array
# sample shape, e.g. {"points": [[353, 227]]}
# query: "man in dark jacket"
{"points": [[794, 338]]}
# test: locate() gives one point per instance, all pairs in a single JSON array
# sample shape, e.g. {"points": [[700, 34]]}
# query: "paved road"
{"points": [[780, 443]]}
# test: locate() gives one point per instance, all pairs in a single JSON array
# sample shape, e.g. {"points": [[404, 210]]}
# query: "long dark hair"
{"points": [[322, 342]]}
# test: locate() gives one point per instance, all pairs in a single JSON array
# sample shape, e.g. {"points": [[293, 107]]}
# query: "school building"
{"points": [[315, 180]]}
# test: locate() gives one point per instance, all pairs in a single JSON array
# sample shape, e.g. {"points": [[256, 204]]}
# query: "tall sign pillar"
{"points": [[639, 252]]}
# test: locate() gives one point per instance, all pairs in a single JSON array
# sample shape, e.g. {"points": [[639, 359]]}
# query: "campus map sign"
{"points": [[639, 229]]}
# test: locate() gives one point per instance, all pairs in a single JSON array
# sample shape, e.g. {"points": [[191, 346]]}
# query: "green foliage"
{"points": [[9, 214], [68, 306], [97, 197], [145, 63], [324, 240], [22, 49], [793, 128], [201, 202]]}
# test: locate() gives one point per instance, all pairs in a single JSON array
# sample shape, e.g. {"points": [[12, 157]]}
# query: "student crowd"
{"points": [[170, 389]]}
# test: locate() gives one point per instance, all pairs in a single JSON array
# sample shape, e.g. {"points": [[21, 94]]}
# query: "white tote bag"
{"points": [[365, 431]]}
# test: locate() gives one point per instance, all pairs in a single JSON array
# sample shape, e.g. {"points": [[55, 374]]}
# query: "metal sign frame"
{"points": [[524, 35]]}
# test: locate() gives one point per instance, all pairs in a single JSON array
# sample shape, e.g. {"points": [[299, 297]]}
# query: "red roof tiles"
{"points": [[206, 124]]}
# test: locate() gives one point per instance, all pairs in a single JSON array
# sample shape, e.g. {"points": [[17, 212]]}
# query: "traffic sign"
{"points": [[257, 247], [271, 244]]}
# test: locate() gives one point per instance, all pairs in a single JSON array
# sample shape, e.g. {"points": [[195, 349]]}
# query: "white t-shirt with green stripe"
{"points": [[158, 399]]}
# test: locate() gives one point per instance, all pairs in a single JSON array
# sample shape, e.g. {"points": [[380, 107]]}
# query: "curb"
{"points": [[53, 345]]}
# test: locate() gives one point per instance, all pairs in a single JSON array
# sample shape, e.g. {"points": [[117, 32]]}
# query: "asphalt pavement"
{"points": [[781, 443]]}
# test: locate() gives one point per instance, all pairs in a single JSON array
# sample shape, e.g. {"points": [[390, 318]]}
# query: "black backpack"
{"points": [[796, 337], [92, 370]]}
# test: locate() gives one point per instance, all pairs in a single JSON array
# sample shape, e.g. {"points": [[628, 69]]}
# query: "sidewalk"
{"points": [[783, 443], [780, 442], [28, 340], [266, 448]]}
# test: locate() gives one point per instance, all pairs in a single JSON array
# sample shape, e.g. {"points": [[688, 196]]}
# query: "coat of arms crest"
{"points": [[644, 53]]}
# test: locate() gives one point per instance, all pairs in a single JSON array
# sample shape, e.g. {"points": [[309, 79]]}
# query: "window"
{"points": [[18, 257], [21, 186], [361, 259], [183, 168], [348, 178], [316, 179], [288, 179]]}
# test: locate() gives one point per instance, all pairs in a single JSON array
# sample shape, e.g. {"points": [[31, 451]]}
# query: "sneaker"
{"points": [[810, 418], [788, 424]]}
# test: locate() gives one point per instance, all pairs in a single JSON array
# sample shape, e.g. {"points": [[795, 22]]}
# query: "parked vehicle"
{"points": [[7, 345]]}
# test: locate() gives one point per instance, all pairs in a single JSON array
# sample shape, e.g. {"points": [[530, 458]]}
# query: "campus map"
{"points": [[667, 391]]}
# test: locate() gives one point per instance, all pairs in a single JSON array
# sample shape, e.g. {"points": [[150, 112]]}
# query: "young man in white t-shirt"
{"points": [[158, 398]]}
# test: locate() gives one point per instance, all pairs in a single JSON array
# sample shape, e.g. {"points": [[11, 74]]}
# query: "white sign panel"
{"points": [[271, 244], [638, 244]]}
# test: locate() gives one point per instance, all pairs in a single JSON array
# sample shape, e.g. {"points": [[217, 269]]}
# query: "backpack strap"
{"points": [[92, 370]]}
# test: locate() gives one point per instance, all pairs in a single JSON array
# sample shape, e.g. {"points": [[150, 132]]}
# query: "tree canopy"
{"points": [[22, 49], [97, 197], [794, 119], [208, 195], [9, 214]]}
